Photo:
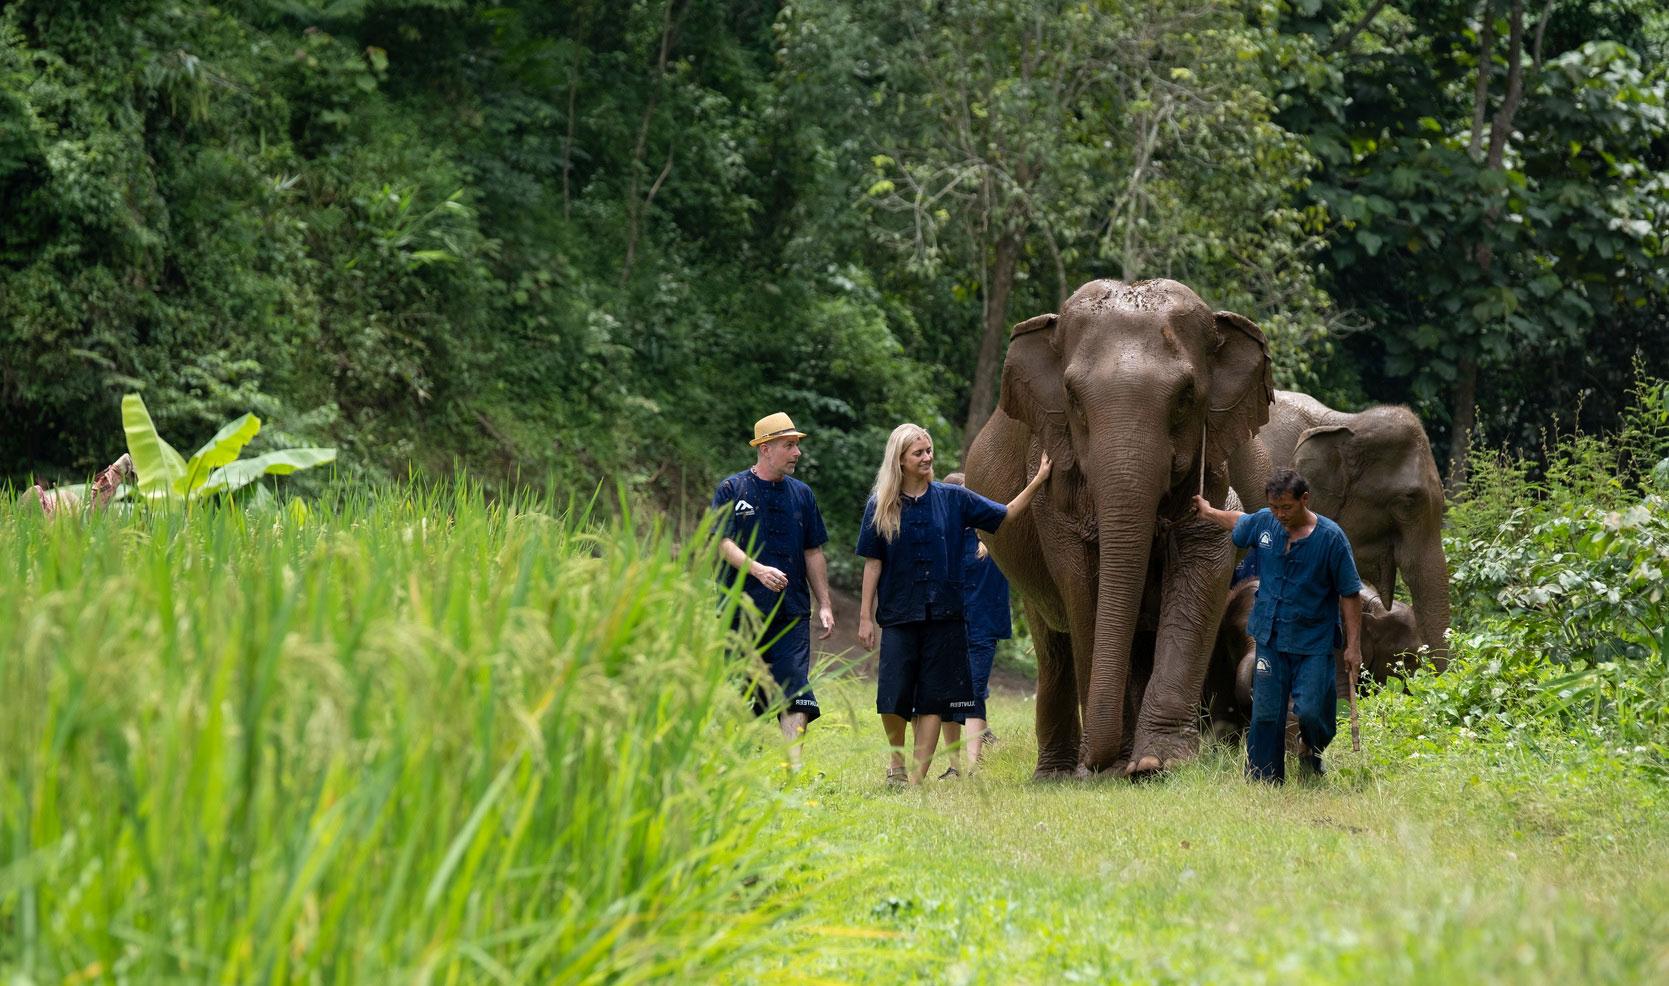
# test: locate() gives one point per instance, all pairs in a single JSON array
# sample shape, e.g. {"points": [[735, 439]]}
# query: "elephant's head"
{"points": [[1390, 635], [1376, 477], [1117, 388]]}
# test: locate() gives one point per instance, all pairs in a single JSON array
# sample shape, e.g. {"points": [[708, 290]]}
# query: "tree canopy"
{"points": [[599, 239]]}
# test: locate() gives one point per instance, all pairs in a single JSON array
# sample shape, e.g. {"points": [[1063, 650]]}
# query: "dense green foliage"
{"points": [[599, 239], [1562, 615], [1497, 176], [400, 735]]}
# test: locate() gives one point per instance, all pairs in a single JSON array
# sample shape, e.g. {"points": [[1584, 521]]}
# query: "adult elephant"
{"points": [[1122, 586], [1373, 473]]}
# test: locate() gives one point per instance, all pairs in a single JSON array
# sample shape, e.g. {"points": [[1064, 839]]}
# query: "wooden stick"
{"points": [[1355, 727]]}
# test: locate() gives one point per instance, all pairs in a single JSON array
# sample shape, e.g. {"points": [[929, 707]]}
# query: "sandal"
{"points": [[897, 777], [950, 774]]}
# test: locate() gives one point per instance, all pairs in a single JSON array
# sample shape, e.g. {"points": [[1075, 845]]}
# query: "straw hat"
{"points": [[777, 425]]}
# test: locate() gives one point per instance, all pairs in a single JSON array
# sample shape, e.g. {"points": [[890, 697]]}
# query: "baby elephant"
{"points": [[1390, 641]]}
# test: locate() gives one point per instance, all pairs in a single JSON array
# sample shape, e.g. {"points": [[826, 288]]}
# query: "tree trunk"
{"points": [[983, 398], [636, 208], [1500, 129], [1464, 416]]}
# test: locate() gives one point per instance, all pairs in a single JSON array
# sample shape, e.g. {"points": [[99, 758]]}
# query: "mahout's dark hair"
{"points": [[1286, 482]]}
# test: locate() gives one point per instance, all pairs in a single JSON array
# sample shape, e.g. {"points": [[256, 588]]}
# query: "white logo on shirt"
{"points": [[1263, 539], [745, 509]]}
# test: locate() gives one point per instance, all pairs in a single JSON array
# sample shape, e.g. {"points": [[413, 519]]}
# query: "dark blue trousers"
{"points": [[1306, 680], [982, 654]]}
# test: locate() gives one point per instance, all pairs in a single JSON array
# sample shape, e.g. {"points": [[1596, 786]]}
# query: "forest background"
{"points": [[594, 241]]}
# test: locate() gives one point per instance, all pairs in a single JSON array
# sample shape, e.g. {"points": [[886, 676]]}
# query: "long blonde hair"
{"points": [[889, 479]]}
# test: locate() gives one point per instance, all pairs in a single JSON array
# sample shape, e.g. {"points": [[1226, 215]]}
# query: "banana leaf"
{"points": [[222, 449], [158, 468], [237, 475]]}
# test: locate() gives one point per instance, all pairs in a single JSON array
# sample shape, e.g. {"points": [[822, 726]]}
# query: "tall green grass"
{"points": [[397, 734]]}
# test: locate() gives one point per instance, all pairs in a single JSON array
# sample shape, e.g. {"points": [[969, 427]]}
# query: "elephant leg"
{"points": [[1195, 585], [1058, 729], [1142, 646]]}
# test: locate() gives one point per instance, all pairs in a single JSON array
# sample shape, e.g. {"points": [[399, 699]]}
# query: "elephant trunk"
{"points": [[1126, 509], [1427, 573]]}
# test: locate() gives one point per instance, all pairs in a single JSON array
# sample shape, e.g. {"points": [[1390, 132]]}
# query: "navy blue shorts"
{"points": [[924, 670], [787, 654]]}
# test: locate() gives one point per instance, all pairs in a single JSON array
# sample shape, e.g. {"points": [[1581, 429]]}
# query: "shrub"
{"points": [[1561, 613]]}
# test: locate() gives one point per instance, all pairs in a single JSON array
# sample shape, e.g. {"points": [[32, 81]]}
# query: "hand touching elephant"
{"points": [[1122, 586], [1374, 475]]}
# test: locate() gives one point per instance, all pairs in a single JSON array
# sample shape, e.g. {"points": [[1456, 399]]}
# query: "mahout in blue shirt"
{"points": [[1297, 606]]}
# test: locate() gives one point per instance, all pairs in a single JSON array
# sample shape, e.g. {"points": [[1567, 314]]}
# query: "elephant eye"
{"points": [[1183, 410]]}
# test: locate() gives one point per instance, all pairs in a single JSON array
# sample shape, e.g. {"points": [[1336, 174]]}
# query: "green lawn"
{"points": [[1466, 864]]}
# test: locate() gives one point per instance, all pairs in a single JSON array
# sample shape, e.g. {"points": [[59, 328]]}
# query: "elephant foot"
{"points": [[1146, 768], [1050, 774], [1160, 753]]}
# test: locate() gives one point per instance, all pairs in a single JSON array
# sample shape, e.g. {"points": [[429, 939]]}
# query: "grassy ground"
{"points": [[405, 736], [1460, 864]]}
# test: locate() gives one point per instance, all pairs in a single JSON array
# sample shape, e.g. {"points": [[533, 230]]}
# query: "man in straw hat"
{"points": [[774, 533]]}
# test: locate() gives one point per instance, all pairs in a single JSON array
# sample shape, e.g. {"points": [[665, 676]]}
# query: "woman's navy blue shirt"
{"points": [[775, 523], [1297, 605], [921, 570]]}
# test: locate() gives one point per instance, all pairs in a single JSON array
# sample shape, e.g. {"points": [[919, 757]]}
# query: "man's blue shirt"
{"points": [[921, 570], [984, 592], [775, 523], [1297, 607]]}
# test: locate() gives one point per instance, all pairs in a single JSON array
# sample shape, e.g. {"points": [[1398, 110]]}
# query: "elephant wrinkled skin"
{"points": [[1373, 473], [1123, 587]]}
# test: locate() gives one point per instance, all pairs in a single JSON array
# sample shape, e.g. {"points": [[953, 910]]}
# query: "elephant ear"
{"points": [[1242, 386], [1033, 390], [1326, 457]]}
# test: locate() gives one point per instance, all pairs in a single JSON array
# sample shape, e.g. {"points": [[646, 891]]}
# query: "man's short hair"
{"points": [[1286, 482]]}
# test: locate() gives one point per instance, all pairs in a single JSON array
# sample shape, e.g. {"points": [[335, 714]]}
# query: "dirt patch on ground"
{"points": [[843, 647]]}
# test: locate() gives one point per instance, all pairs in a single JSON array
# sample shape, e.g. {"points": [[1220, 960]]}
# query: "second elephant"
{"points": [[1373, 473]]}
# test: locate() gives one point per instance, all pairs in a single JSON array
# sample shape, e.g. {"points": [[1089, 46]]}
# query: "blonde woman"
{"points": [[911, 540]]}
